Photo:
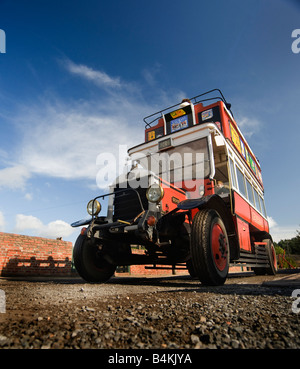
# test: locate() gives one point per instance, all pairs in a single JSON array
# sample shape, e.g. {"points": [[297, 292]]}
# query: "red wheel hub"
{"points": [[219, 247]]}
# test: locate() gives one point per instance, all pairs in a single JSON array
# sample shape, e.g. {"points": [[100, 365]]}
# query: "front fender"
{"points": [[217, 203], [81, 222], [190, 204]]}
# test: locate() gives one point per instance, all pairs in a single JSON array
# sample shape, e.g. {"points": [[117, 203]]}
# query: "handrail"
{"points": [[221, 97]]}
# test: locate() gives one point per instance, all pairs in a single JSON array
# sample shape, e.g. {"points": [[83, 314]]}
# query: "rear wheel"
{"points": [[89, 261], [271, 255], [209, 248]]}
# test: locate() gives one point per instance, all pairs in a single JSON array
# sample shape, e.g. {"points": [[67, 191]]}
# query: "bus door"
{"points": [[241, 209], [221, 175]]}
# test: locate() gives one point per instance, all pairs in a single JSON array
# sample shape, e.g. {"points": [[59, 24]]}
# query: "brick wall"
{"points": [[34, 256]]}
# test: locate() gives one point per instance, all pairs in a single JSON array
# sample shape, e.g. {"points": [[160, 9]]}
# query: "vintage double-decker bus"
{"points": [[193, 198]]}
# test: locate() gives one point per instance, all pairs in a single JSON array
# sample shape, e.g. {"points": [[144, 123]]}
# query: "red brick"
{"points": [[17, 253]]}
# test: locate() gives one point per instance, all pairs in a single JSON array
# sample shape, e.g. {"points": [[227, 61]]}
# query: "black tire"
{"points": [[190, 268], [89, 262], [271, 255], [209, 248]]}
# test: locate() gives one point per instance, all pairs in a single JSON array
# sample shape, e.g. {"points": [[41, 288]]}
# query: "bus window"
{"points": [[241, 182], [232, 172], [257, 203], [250, 192], [262, 205]]}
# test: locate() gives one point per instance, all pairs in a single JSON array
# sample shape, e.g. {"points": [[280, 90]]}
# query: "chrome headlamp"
{"points": [[155, 193], [93, 207]]}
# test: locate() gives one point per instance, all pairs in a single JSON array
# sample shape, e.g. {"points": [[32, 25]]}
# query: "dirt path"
{"points": [[141, 313]]}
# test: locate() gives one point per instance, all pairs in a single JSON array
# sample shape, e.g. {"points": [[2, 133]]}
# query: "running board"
{"points": [[259, 259]]}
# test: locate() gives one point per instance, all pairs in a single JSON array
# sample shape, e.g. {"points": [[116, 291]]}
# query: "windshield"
{"points": [[182, 165]]}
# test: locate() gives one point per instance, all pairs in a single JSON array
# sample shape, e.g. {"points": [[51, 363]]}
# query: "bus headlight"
{"points": [[155, 193], [93, 207]]}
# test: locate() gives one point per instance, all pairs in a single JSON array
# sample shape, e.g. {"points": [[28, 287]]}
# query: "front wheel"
{"points": [[209, 248], [89, 261], [190, 268]]}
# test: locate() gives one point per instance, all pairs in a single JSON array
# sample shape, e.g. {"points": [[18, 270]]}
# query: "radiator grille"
{"points": [[127, 204]]}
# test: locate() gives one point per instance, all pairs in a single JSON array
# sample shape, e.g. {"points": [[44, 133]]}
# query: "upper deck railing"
{"points": [[195, 100]]}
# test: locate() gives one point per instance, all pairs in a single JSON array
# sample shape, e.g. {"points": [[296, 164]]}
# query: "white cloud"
{"points": [[58, 228], [2, 222], [150, 74], [63, 140], [55, 229], [28, 196], [279, 232], [272, 222], [249, 126], [27, 222], [3, 155], [101, 79], [14, 177]]}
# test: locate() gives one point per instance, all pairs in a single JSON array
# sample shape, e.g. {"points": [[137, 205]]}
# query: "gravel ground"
{"points": [[149, 313]]}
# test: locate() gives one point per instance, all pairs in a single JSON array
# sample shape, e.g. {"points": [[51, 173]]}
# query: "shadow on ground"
{"points": [[246, 283]]}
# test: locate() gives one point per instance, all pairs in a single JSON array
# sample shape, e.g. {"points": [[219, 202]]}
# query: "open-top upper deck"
{"points": [[191, 112]]}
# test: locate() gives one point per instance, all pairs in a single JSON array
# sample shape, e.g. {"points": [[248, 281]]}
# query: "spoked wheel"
{"points": [[209, 248], [271, 255], [89, 261]]}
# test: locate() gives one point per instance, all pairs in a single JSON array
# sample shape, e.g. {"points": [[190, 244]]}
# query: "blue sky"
{"points": [[78, 77]]}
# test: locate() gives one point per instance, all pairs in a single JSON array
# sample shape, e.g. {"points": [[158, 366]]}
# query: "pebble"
{"points": [[194, 339], [235, 344], [3, 340]]}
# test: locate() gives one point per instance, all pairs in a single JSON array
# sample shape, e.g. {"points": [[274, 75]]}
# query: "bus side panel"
{"points": [[242, 208], [257, 220], [243, 234], [198, 109], [171, 198], [266, 226], [225, 121]]}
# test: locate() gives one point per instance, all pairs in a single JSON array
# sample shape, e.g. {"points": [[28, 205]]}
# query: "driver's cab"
{"points": [[195, 161], [221, 175]]}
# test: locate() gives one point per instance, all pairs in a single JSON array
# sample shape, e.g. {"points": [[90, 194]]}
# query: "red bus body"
{"points": [[203, 206], [249, 219]]}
